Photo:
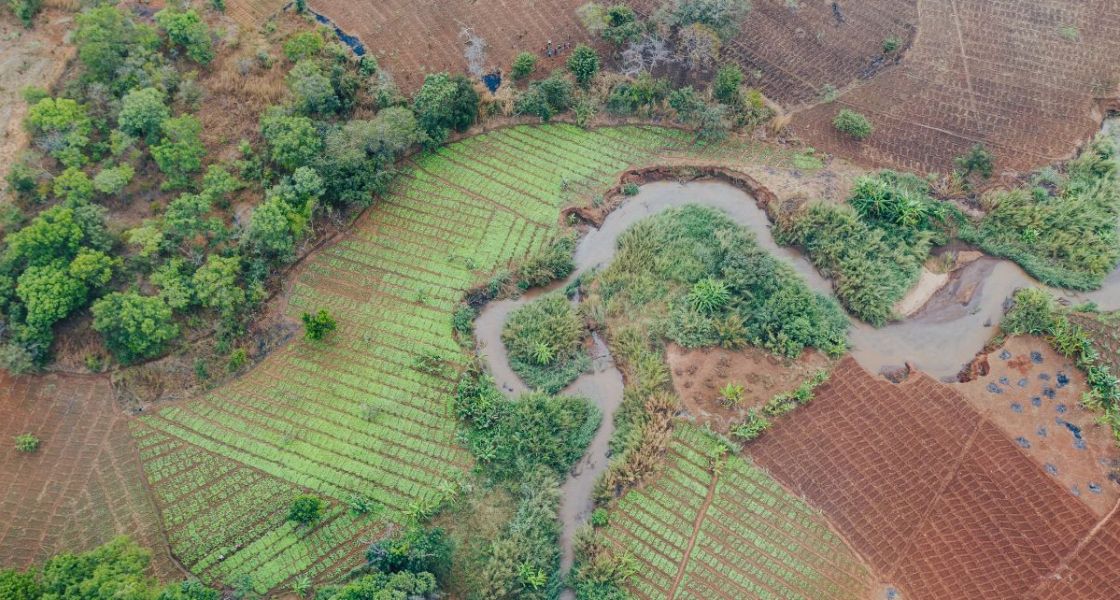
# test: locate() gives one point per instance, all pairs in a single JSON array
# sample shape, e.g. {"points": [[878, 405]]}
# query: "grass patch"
{"points": [[544, 340], [701, 280], [873, 247], [1063, 229]]}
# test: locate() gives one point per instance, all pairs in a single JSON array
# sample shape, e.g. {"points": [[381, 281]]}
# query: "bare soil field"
{"points": [[1031, 393], [1023, 79], [933, 495], [83, 486], [27, 57], [698, 375]]}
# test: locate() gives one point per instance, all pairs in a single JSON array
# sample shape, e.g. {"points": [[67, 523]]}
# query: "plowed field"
{"points": [[84, 484], [936, 497]]}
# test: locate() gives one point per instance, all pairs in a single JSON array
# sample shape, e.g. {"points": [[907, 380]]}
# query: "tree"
{"points": [[292, 140], [312, 90], [142, 112], [185, 226], [73, 186], [273, 230], [414, 549], [414, 586], [187, 31], [135, 327], [853, 124], [25, 10], [306, 509], [445, 103], [584, 64], [173, 278], [317, 326], [107, 38], [305, 44], [111, 181], [180, 151], [523, 65], [721, 16], [725, 88], [19, 585], [216, 285], [546, 98], [621, 25], [357, 157], [61, 127]]}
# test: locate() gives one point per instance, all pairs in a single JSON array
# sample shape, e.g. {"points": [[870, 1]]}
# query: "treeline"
{"points": [[126, 124]]}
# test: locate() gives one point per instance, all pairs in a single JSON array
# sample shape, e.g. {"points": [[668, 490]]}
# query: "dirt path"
{"points": [[696, 525]]}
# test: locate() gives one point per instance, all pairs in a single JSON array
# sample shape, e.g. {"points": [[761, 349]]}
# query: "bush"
{"points": [[306, 509], [630, 189], [552, 262], [853, 124], [444, 103], [545, 98], [319, 325], [544, 340], [27, 442], [721, 16], [726, 86], [978, 160], [753, 426], [523, 66], [620, 25], [891, 44], [305, 44], [515, 437], [187, 31], [180, 151], [414, 549], [584, 64], [135, 327], [237, 360], [600, 517], [25, 10], [312, 90], [142, 112]]}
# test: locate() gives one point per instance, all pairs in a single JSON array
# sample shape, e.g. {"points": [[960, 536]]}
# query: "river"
{"points": [[938, 339]]}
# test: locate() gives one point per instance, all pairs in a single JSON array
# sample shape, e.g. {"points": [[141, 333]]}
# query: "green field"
{"points": [[731, 532], [353, 416]]}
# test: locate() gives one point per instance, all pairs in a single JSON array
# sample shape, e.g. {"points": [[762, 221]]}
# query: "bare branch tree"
{"points": [[645, 55]]}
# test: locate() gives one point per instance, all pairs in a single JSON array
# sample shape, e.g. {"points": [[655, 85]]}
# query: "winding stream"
{"points": [[941, 337]]}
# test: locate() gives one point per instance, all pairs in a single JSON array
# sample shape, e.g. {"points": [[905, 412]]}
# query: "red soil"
{"points": [[932, 494], [83, 486]]}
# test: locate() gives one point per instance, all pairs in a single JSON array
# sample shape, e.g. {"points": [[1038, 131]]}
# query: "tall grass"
{"points": [[1064, 229]]}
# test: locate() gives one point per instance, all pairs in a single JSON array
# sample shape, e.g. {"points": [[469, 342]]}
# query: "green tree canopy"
{"points": [[112, 180], [306, 509], [73, 186], [292, 139], [444, 103], [142, 112], [584, 64], [135, 327], [62, 127], [186, 30], [312, 89], [106, 39], [180, 151]]}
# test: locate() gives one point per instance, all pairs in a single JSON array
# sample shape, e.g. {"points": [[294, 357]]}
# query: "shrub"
{"points": [[413, 549], [726, 86], [111, 181], [853, 124], [444, 103], [180, 150], [237, 359], [142, 112], [306, 509], [25, 10], [312, 90], [27, 442], [620, 25], [630, 189], [584, 64], [600, 517], [553, 261], [305, 44], [523, 66], [721, 16], [753, 426], [319, 325], [891, 44], [544, 340], [977, 160], [187, 31], [731, 394]]}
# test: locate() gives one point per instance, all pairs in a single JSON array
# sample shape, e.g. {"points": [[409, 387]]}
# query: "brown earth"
{"points": [[34, 56], [1029, 82], [1031, 393], [699, 374], [933, 495], [83, 486], [1024, 79]]}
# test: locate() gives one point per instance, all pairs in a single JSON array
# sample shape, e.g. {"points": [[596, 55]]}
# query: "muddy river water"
{"points": [[938, 339]]}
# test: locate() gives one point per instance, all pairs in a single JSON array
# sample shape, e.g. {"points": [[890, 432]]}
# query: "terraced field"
{"points": [[354, 416], [709, 527]]}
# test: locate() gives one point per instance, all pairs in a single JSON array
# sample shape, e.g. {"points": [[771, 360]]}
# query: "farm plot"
{"points": [[935, 496], [1021, 79], [83, 486], [708, 526], [356, 416]]}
